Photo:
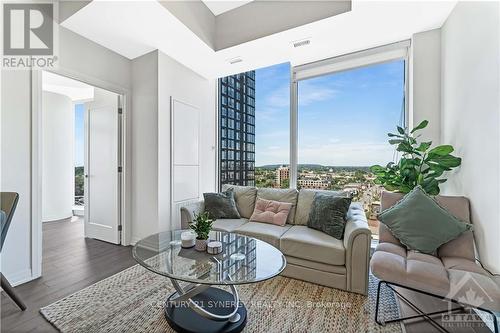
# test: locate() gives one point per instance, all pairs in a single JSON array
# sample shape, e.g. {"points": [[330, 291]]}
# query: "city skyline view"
{"points": [[343, 118]]}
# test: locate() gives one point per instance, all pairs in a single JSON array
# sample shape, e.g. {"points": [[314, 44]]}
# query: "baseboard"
{"points": [[21, 277], [134, 239]]}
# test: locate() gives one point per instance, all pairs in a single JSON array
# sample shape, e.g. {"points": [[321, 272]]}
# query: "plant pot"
{"points": [[201, 245]]}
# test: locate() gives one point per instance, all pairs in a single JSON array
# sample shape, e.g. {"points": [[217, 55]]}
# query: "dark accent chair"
{"points": [[8, 203]]}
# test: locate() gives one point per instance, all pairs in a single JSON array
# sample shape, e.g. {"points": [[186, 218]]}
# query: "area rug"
{"points": [[132, 301]]}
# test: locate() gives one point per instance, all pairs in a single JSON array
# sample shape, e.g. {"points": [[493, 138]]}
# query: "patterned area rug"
{"points": [[132, 301]]}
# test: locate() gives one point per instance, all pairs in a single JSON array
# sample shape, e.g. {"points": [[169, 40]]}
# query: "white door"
{"points": [[185, 128], [102, 158]]}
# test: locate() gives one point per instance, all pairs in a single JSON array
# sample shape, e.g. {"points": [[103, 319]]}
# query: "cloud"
{"points": [[278, 98], [313, 92], [357, 154], [336, 154]]}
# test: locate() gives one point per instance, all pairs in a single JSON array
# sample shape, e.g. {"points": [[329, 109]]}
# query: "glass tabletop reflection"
{"points": [[243, 259]]}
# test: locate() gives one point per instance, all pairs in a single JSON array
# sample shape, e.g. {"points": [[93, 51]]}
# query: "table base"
{"points": [[182, 318]]}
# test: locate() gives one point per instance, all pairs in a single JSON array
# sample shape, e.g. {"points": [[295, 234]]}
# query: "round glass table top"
{"points": [[243, 259]]}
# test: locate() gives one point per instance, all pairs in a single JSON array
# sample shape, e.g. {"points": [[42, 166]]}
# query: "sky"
{"points": [[79, 144], [343, 118]]}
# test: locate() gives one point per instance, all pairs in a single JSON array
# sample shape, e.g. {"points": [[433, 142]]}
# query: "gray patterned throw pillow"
{"points": [[221, 205], [328, 214]]}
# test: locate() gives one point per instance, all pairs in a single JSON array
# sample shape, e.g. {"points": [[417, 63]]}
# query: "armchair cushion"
{"points": [[420, 223]]}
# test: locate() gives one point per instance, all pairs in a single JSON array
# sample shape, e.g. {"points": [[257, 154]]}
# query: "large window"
{"points": [[254, 111], [321, 128], [343, 121]]}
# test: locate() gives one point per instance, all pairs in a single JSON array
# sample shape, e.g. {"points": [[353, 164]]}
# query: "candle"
{"points": [[187, 239], [214, 247]]}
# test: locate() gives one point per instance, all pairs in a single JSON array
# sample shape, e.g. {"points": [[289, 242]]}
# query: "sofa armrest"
{"points": [[188, 211], [357, 240]]}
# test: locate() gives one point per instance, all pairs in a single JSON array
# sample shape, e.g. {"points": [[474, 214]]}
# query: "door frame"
{"points": [[36, 159]]}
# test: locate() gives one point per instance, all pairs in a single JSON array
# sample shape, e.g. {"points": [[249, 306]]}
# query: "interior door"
{"points": [[102, 161], [185, 131]]}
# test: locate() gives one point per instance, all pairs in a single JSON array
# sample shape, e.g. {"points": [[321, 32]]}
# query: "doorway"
{"points": [[81, 158]]}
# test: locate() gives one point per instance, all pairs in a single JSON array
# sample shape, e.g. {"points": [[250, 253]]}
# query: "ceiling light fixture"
{"points": [[301, 42], [235, 60]]}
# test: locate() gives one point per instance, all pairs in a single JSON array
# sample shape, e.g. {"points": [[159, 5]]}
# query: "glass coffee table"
{"points": [[198, 305]]}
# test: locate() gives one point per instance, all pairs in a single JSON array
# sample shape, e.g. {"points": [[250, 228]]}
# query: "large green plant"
{"points": [[419, 164]]}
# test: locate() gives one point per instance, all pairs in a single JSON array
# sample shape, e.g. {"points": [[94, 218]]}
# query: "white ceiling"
{"points": [[134, 28], [221, 6], [77, 91]]}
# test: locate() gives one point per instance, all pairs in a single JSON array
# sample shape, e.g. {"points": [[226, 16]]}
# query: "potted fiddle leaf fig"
{"points": [[202, 225], [419, 163]]}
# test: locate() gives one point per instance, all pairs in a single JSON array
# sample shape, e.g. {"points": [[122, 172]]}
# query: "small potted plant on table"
{"points": [[201, 225]]}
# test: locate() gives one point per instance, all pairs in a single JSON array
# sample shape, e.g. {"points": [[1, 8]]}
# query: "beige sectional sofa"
{"points": [[311, 254]]}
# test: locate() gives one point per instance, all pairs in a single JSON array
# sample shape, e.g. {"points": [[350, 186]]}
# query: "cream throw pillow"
{"points": [[269, 211]]}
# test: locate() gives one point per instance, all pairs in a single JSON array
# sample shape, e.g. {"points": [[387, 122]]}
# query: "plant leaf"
{"points": [[424, 146], [401, 130], [441, 150], [420, 126], [447, 161], [396, 141]]}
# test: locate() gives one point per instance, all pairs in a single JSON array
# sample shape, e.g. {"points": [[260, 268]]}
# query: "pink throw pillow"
{"points": [[269, 211]]}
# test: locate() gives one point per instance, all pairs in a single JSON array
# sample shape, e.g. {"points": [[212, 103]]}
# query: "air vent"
{"points": [[235, 60], [302, 42]]}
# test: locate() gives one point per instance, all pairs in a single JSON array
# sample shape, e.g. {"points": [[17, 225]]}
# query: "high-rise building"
{"points": [[282, 174], [237, 129]]}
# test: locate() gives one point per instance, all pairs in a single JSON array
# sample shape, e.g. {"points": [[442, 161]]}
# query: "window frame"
{"points": [[373, 56]]}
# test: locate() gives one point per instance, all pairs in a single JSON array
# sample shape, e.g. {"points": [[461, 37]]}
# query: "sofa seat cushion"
{"points": [[268, 233], [306, 243], [228, 225], [316, 265]]}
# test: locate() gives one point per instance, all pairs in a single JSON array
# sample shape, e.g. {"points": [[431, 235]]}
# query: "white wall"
{"points": [[181, 83], [58, 160], [145, 146], [470, 116], [81, 59], [15, 122], [425, 84], [157, 77]]}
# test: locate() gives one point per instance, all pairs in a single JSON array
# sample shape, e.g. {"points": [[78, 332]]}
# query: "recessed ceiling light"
{"points": [[235, 60], [301, 42]]}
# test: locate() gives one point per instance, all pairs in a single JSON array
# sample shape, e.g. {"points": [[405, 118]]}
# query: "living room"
{"points": [[340, 159]]}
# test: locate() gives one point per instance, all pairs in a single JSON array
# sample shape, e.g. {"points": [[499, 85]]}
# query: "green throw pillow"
{"points": [[221, 205], [328, 214], [420, 223]]}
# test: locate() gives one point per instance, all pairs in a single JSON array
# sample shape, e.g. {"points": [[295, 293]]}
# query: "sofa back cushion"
{"points": [[281, 195], [244, 197], [269, 211], [305, 202], [462, 246]]}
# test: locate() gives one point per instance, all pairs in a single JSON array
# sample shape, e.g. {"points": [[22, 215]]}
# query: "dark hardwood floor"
{"points": [[70, 263]]}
